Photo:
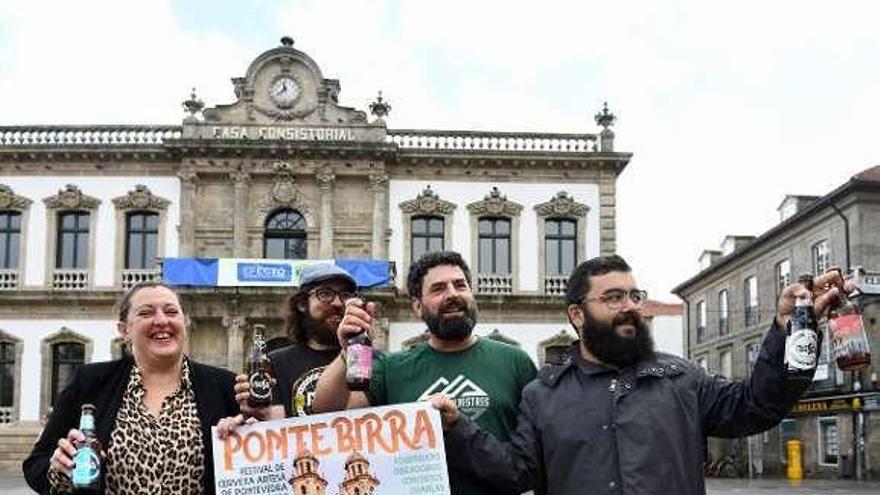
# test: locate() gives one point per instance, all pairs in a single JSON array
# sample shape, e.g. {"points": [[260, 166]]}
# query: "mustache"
{"points": [[453, 305], [627, 319]]}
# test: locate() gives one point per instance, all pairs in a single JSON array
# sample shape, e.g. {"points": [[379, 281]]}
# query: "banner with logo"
{"points": [[242, 272], [393, 449]]}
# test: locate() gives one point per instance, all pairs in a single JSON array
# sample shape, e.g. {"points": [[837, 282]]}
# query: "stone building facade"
{"points": [[731, 302], [283, 171]]}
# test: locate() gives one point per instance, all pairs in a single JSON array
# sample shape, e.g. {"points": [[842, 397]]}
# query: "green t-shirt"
{"points": [[485, 380]]}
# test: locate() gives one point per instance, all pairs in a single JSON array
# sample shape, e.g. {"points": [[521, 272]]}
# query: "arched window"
{"points": [[427, 235], [141, 239], [10, 239], [285, 236]]}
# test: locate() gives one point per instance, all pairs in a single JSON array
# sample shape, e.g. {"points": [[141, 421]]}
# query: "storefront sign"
{"points": [[823, 406]]}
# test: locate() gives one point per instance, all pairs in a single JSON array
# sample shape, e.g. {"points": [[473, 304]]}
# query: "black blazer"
{"points": [[103, 385]]}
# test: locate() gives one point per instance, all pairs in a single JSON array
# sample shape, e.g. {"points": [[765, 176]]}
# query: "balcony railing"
{"points": [[494, 283], [132, 277], [70, 279], [9, 279], [6, 415], [555, 285], [88, 135], [493, 141]]}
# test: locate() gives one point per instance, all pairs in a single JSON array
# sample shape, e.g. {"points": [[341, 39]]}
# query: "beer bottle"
{"points": [[359, 362], [802, 337], [86, 474], [849, 342], [259, 371]]}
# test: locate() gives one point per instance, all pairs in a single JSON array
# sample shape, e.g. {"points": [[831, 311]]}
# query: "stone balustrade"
{"points": [[9, 279], [495, 283], [70, 279], [132, 276], [85, 135], [514, 142], [555, 285]]}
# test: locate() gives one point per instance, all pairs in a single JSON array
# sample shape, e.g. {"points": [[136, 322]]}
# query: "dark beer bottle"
{"points": [[86, 474], [259, 371], [849, 342], [802, 337]]}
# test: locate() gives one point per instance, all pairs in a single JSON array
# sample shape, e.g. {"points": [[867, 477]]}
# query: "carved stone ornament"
{"points": [[187, 175], [497, 336], [563, 338], [285, 191], [71, 198], [11, 201], [427, 203], [562, 205], [325, 177], [378, 180], [495, 204], [141, 198]]}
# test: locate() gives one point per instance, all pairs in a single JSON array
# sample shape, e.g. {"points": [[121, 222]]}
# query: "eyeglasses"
{"points": [[616, 298], [326, 295]]}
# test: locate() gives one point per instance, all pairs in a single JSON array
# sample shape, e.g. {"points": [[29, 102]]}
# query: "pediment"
{"points": [[284, 85]]}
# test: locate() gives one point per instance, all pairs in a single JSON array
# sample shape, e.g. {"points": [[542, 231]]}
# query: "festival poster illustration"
{"points": [[393, 450]]}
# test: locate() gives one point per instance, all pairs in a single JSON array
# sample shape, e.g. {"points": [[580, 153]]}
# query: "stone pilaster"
{"points": [[326, 181], [607, 207], [188, 184], [239, 222], [235, 327], [379, 188]]}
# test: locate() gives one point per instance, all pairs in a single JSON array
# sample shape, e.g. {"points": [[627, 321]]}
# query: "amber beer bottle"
{"points": [[259, 371], [359, 357], [849, 342], [802, 337], [86, 474]]}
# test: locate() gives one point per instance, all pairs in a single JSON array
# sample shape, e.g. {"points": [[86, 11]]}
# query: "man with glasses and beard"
{"points": [[484, 378], [312, 314], [618, 417]]}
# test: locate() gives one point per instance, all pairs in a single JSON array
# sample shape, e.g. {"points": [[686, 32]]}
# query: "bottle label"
{"points": [[261, 386], [848, 336], [86, 467], [800, 350], [359, 362]]}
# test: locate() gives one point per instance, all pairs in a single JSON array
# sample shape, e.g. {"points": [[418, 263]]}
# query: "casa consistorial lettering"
{"points": [[286, 133]]}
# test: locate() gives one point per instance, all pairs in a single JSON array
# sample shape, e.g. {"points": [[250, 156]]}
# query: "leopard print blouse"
{"points": [[148, 454]]}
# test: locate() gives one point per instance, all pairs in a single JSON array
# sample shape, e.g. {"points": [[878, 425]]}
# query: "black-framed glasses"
{"points": [[326, 295], [615, 298]]}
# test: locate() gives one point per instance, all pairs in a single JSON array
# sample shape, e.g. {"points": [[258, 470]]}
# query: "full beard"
{"points": [[452, 328], [603, 341], [319, 331]]}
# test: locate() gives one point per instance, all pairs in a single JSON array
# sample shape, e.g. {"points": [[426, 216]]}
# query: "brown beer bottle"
{"points": [[259, 371], [849, 342], [86, 474], [802, 337]]}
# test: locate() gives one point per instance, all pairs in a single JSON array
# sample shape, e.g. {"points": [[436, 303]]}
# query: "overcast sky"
{"points": [[726, 107]]}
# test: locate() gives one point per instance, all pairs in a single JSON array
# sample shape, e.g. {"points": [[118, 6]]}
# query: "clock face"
{"points": [[284, 91]]}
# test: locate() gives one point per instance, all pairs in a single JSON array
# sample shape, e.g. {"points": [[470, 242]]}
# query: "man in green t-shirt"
{"points": [[485, 378]]}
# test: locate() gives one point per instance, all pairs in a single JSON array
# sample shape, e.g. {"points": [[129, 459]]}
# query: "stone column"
{"points": [[326, 181], [239, 219], [235, 328], [187, 228], [379, 188]]}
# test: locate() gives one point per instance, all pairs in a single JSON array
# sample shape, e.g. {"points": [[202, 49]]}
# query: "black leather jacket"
{"points": [[587, 428]]}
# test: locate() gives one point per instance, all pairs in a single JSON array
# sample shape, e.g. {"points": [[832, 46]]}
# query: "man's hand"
{"points": [[826, 290], [243, 394], [448, 410], [228, 424], [358, 317]]}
